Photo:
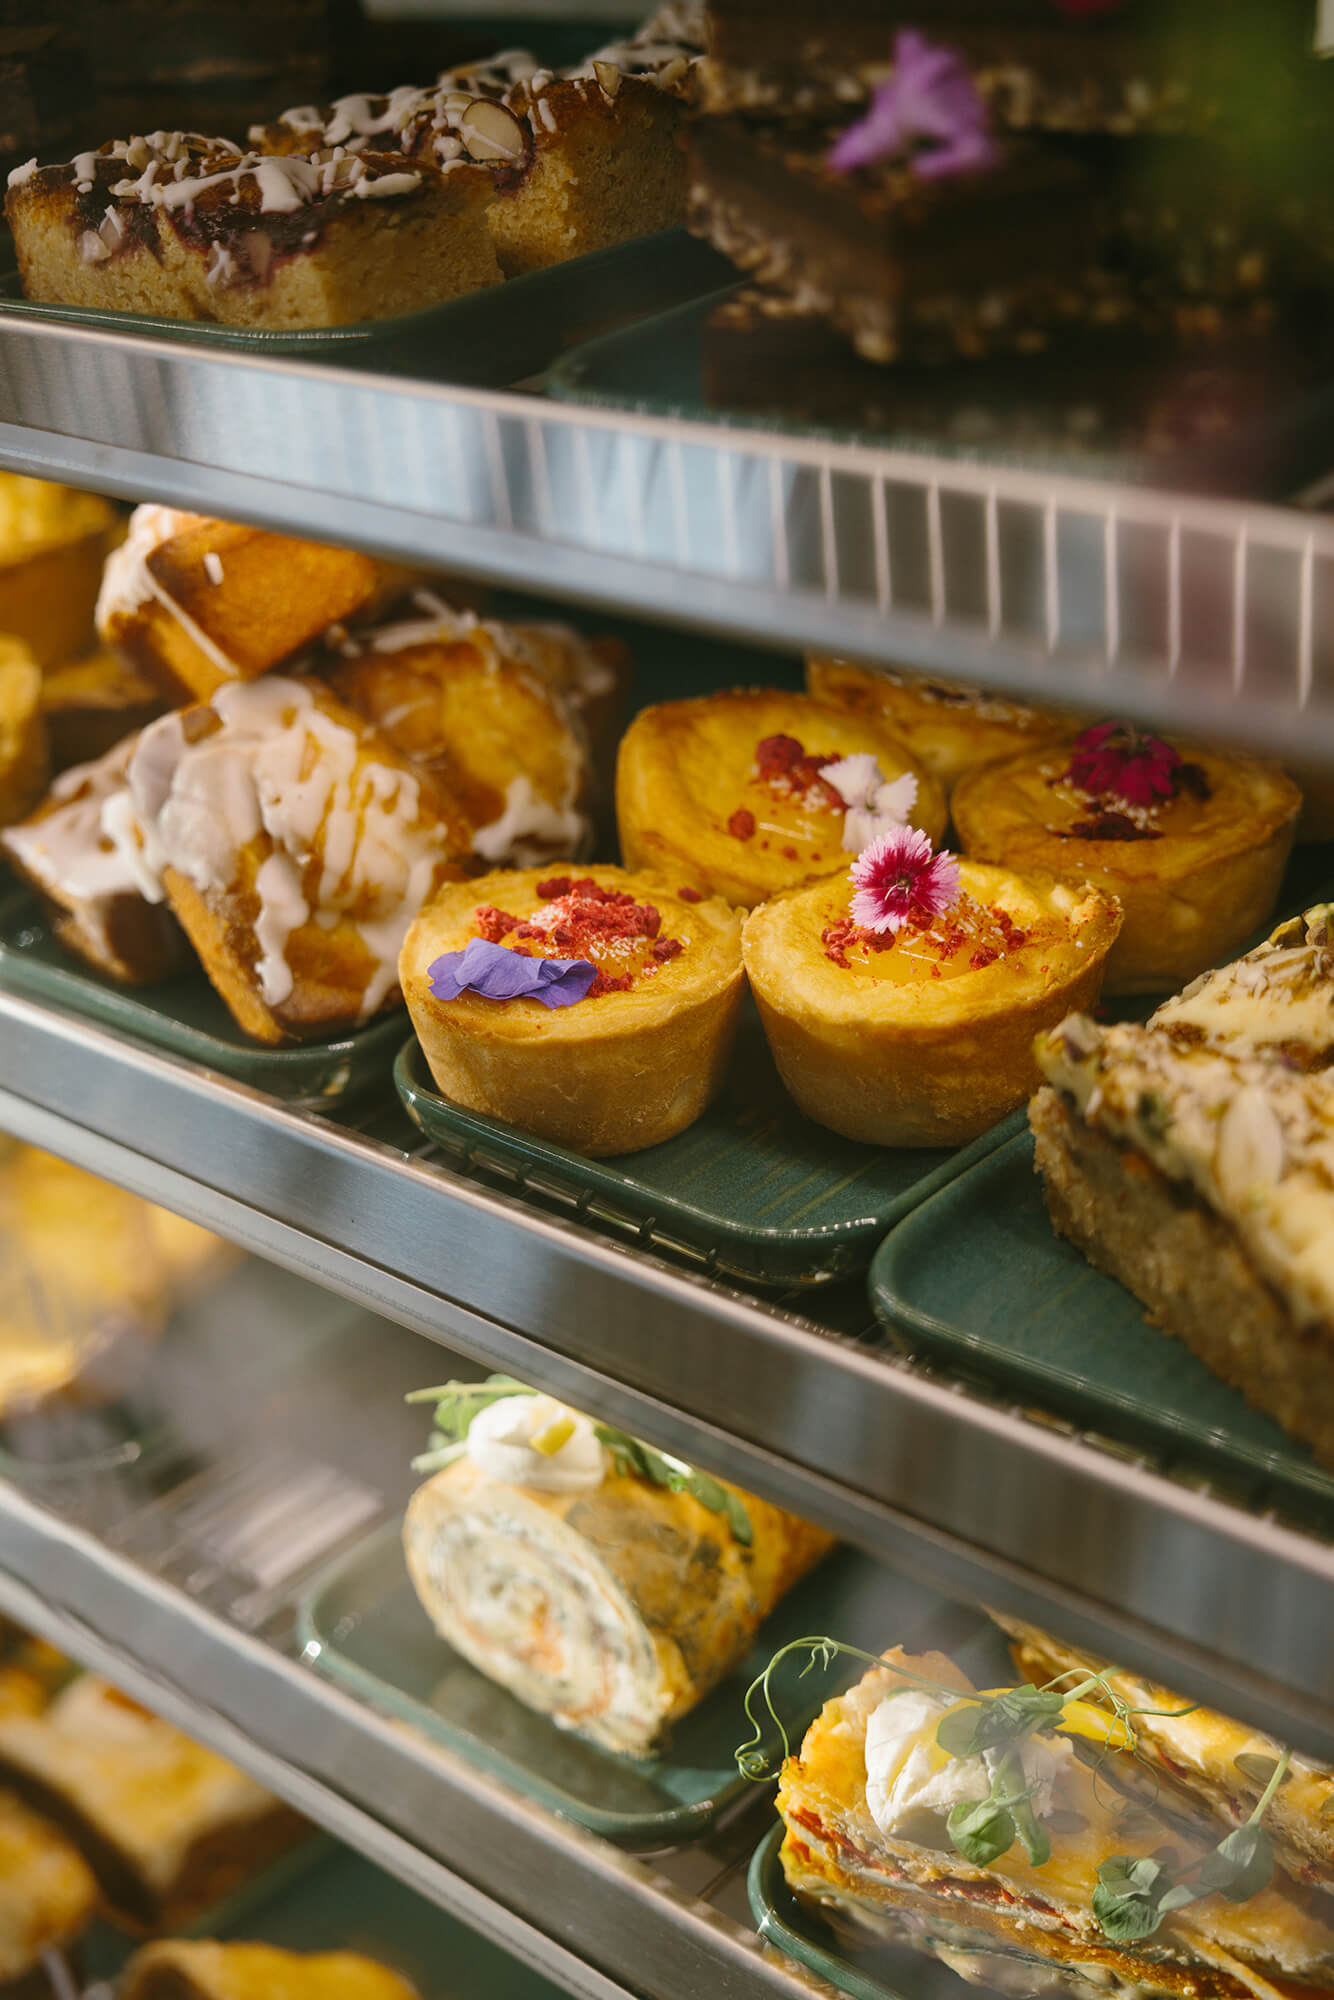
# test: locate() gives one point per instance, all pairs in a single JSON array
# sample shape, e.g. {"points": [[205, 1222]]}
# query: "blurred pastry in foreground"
{"points": [[949, 728], [53, 541], [77, 852], [480, 722], [1189, 1159], [196, 603], [1192, 844], [898, 1830], [93, 703], [1192, 1759], [901, 1005], [47, 1896], [596, 1009], [23, 740], [602, 1584], [167, 1827], [198, 1969], [295, 845], [749, 792]]}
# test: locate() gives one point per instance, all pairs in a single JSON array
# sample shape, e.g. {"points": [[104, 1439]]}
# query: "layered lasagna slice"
{"points": [[1198, 1760], [866, 1804], [1193, 1159]]}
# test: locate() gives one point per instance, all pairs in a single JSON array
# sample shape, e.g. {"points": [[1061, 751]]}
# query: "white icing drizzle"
{"points": [[213, 566], [70, 851], [284, 183], [128, 581], [348, 836], [20, 176], [555, 653], [530, 829]]}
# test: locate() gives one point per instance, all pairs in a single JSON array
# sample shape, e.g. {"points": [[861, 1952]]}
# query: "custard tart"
{"points": [[920, 1032], [948, 727], [754, 791], [1192, 844], [595, 1009]]}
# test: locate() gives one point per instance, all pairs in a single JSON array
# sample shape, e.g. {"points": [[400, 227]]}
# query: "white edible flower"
{"points": [[874, 804]]}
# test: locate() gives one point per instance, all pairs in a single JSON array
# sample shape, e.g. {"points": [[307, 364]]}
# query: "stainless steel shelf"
{"points": [[1184, 612], [177, 1577], [985, 1500]]}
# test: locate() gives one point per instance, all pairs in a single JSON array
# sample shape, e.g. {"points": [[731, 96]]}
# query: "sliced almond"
{"points": [[457, 101], [490, 132], [608, 76], [1249, 1153]]}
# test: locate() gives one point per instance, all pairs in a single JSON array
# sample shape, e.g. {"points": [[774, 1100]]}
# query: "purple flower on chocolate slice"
{"points": [[497, 973], [1113, 760], [899, 876], [928, 112]]}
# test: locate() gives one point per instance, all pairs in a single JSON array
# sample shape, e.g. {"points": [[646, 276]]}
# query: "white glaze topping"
{"points": [[908, 1773], [500, 1444], [348, 836]]}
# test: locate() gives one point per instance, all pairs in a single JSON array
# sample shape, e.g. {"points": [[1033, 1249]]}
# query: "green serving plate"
{"points": [[978, 1278], [362, 1625], [185, 1017], [882, 1972], [486, 339], [752, 1189], [328, 1899]]}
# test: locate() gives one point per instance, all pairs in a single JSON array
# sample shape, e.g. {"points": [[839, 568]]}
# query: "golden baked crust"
{"points": [[948, 727], [295, 845], [47, 1895], [93, 703], [179, 226], [612, 1073], [166, 1826], [926, 1041], [53, 540], [486, 728], [195, 603], [94, 895], [23, 743], [1191, 894], [198, 1969], [1197, 1755], [691, 803], [836, 1853]]}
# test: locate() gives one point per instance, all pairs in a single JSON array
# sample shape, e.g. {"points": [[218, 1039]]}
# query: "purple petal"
{"points": [[931, 96], [496, 973]]}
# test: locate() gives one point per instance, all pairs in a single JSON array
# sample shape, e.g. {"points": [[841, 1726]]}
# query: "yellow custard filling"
{"points": [[968, 937]]}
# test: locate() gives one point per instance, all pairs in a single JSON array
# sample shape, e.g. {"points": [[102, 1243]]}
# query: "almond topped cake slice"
{"points": [[183, 227], [1193, 1159]]}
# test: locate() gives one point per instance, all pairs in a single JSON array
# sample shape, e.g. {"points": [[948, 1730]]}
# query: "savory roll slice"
{"points": [[198, 1969], [901, 1004], [167, 1827], [595, 1009], [1196, 1759], [754, 791], [1189, 1158], [889, 1796], [950, 728], [603, 1584], [48, 1896], [1192, 844]]}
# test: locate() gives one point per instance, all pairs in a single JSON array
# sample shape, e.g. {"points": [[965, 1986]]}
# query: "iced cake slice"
{"points": [[576, 161], [1193, 1160], [183, 227]]}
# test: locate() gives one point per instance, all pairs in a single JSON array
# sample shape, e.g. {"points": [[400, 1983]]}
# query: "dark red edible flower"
{"points": [[1114, 761]]}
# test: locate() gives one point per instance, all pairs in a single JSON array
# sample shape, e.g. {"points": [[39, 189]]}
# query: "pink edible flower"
{"points": [[1112, 760], [900, 875], [930, 96]]}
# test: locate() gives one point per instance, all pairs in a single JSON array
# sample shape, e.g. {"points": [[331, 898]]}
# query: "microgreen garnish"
{"points": [[457, 1404], [1135, 1894]]}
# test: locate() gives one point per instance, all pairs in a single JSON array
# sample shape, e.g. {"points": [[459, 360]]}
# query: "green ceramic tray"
{"points": [[185, 1017], [486, 339], [335, 1901], [882, 1972], [752, 1189], [655, 367], [362, 1625], [978, 1277]]}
